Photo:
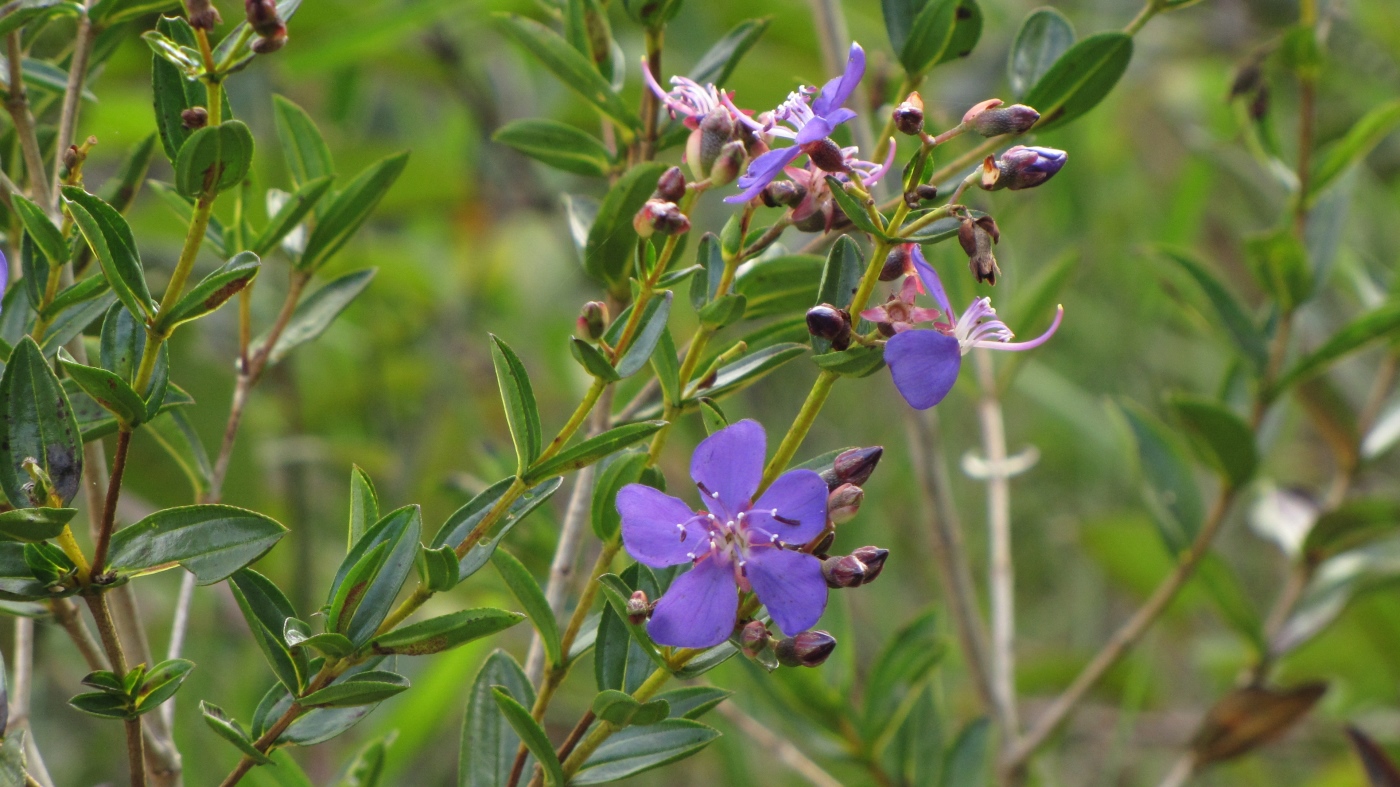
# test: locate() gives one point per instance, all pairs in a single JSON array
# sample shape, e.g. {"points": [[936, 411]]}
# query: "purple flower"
{"points": [[690, 99], [737, 543], [925, 363], [809, 125], [1021, 167]]}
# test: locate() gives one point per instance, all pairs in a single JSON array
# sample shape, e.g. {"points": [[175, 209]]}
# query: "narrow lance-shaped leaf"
{"points": [[308, 157], [625, 469], [489, 741], [317, 311], [365, 688], [611, 240], [266, 609], [1081, 78], [364, 504], [573, 69], [595, 448], [1044, 36], [853, 209], [399, 533], [36, 422], [46, 236], [211, 292], [230, 730], [641, 748], [719, 61], [1360, 140], [1360, 332], [211, 541], [349, 210], [557, 144], [1168, 487], [445, 632], [111, 240], [522, 414], [532, 735], [1238, 323], [291, 214], [527, 591], [1221, 438], [107, 389], [929, 36]]}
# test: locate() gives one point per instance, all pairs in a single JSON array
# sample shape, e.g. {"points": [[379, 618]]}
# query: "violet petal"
{"points": [[790, 585], [649, 519], [728, 466], [924, 365], [932, 283], [798, 496], [761, 172], [699, 609], [835, 92]]}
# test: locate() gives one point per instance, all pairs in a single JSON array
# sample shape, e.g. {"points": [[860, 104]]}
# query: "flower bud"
{"points": [[592, 321], [1015, 119], [853, 467], [874, 560], [705, 142], [203, 15], [783, 193], [830, 323], [843, 571], [808, 649], [909, 115], [897, 263], [843, 503], [263, 18], [977, 237], [660, 216], [638, 608], [754, 637], [671, 185], [269, 44], [926, 192], [194, 117], [1025, 168], [729, 164], [826, 155]]}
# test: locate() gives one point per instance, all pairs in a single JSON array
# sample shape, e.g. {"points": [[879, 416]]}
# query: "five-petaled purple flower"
{"points": [[737, 543], [811, 123], [925, 363]]}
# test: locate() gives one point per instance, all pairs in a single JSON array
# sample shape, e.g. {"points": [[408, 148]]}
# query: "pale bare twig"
{"points": [[1001, 578], [784, 750]]}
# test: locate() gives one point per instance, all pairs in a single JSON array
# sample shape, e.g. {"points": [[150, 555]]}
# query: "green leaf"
{"points": [[362, 601], [214, 159], [852, 208], [107, 389], [35, 524], [465, 519], [349, 209], [1351, 525], [266, 609], [1045, 35], [438, 569], [18, 581], [528, 592], [929, 36], [858, 361], [967, 760], [364, 504], [368, 766], [210, 541], [901, 670], [299, 638], [692, 702], [1359, 141], [315, 313], [23, 12], [111, 240], [637, 749], [573, 69], [607, 254], [82, 292], [649, 330], [595, 448], [617, 664], [103, 705], [294, 209], [899, 20], [557, 144], [1080, 78], [161, 683], [107, 13], [713, 417], [173, 93], [211, 292], [1373, 325], [46, 236], [1241, 327], [319, 724], [967, 31], [365, 688], [1279, 260], [522, 414], [845, 264], [36, 421], [667, 369], [531, 734], [592, 360], [489, 742], [723, 311], [447, 631], [625, 469], [1221, 439], [230, 730], [120, 189], [1223, 587], [174, 432], [1168, 487], [719, 61], [308, 157], [710, 259], [780, 285], [615, 707], [184, 211]]}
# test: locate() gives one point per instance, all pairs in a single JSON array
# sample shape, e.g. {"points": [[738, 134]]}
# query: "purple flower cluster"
{"points": [[736, 543]]}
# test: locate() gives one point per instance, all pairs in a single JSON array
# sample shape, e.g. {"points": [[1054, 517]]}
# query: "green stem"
{"points": [[107, 630], [800, 426], [882, 145], [1148, 11]]}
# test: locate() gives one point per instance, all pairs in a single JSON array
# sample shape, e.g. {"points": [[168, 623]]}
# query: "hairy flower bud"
{"points": [[783, 193], [874, 560], [592, 321], [660, 216], [830, 323], [977, 236], [897, 263], [843, 503], [754, 637], [638, 608], [843, 571], [194, 117], [203, 15], [729, 164], [853, 467], [263, 18], [1024, 168], [706, 141], [1015, 119], [671, 185], [909, 115], [826, 155], [808, 649]]}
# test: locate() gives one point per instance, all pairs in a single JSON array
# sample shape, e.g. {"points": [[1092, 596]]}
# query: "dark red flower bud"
{"points": [[203, 15], [194, 117], [1015, 119], [909, 115], [843, 503], [830, 323], [843, 571], [660, 216], [926, 192], [826, 155], [638, 608], [808, 649], [853, 467], [783, 193], [269, 44], [977, 242], [897, 263], [671, 185], [754, 637], [874, 560], [263, 18]]}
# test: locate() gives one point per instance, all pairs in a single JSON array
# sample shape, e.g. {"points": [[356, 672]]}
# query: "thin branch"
{"points": [[1001, 578], [178, 627], [784, 750], [72, 100], [18, 105]]}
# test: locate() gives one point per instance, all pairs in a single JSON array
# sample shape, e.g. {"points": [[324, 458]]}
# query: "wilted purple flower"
{"points": [[738, 543], [899, 312], [810, 123], [1024, 167], [925, 363], [817, 198]]}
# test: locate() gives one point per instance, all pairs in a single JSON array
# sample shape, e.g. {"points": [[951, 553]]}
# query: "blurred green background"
{"points": [[472, 239]]}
